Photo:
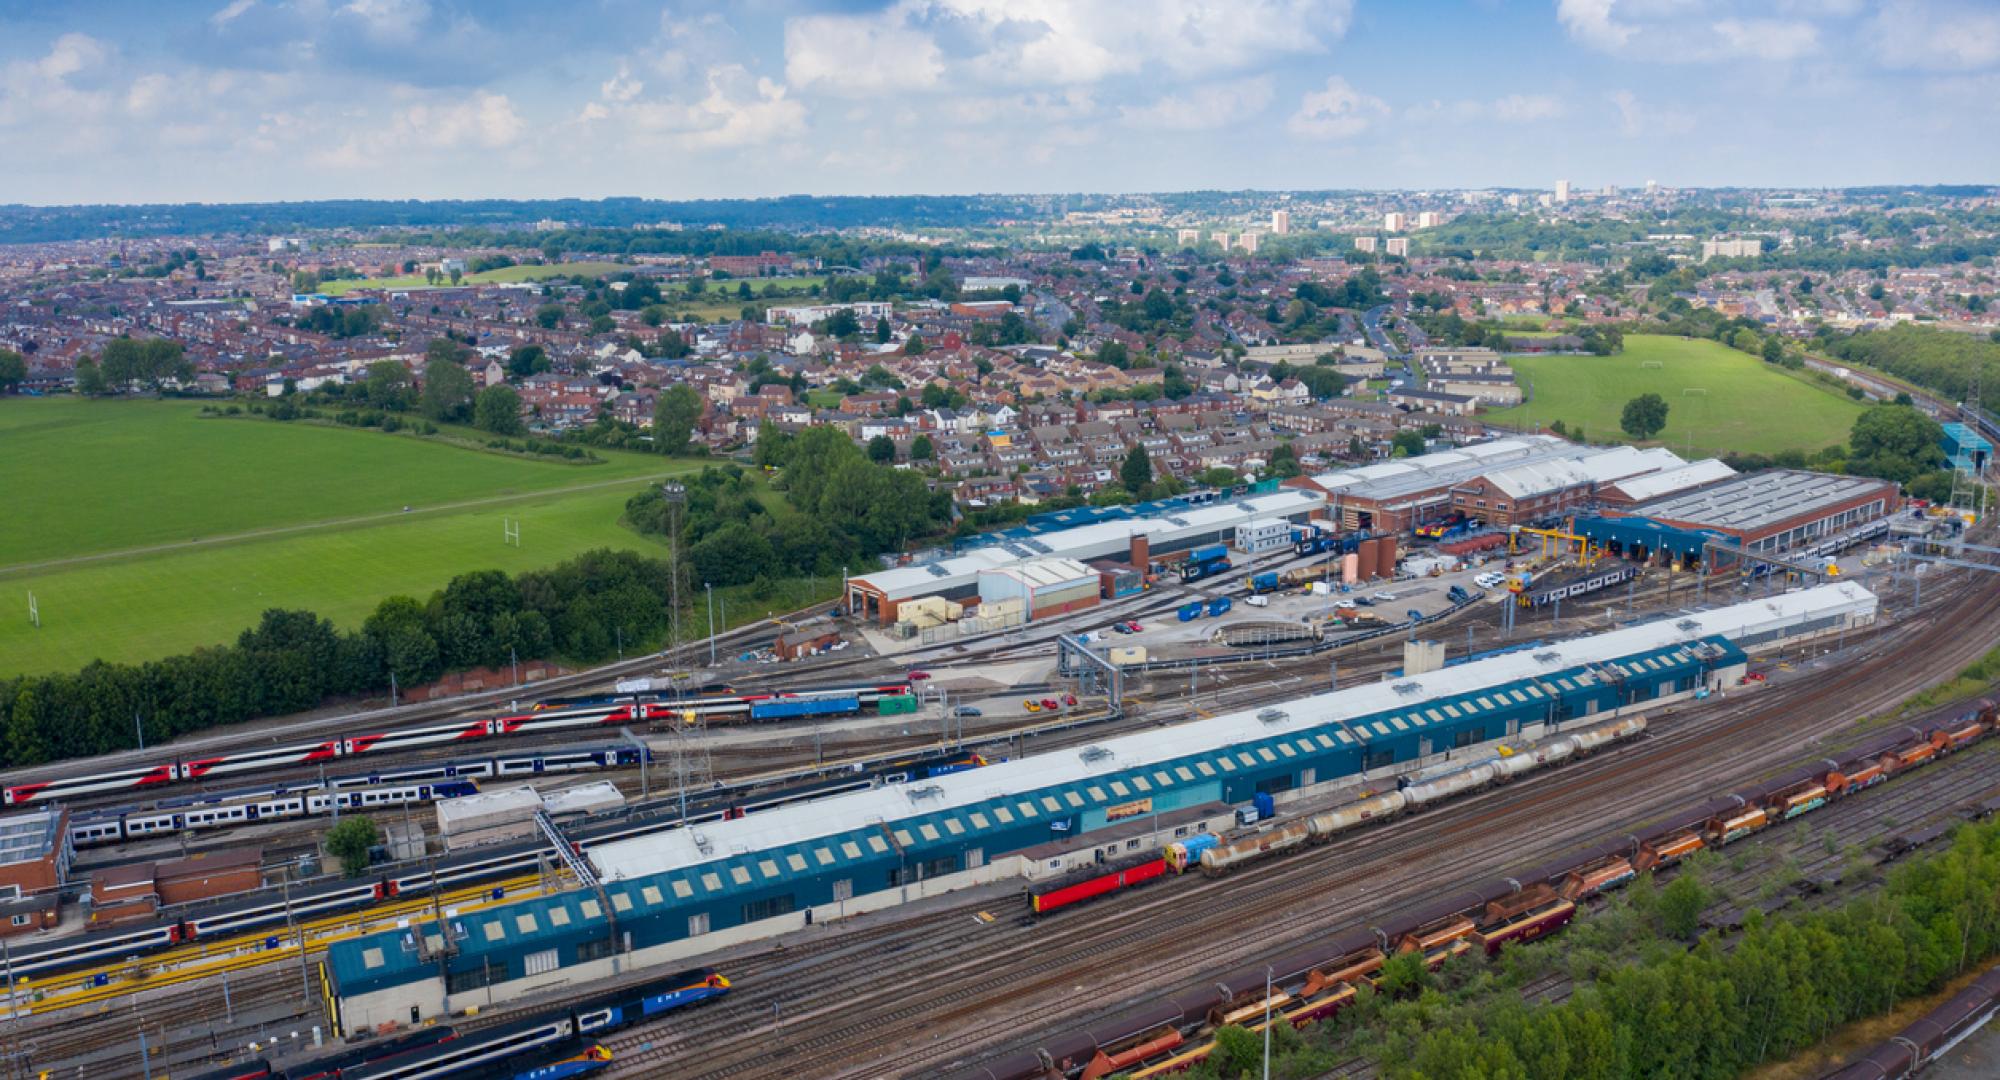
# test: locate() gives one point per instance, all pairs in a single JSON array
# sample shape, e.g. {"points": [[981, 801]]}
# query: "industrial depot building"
{"points": [[1503, 482], [876, 596], [1773, 512], [683, 892]]}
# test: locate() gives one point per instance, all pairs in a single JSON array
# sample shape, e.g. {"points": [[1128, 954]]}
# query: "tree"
{"points": [[13, 370], [527, 360], [1681, 904], [882, 331], [388, 386], [498, 410], [914, 346], [921, 449], [447, 396], [90, 380], [1644, 416], [1137, 471], [1284, 462], [1407, 443], [882, 450], [21, 743], [674, 417], [1114, 353], [1774, 350], [350, 842], [1895, 442], [549, 316]]}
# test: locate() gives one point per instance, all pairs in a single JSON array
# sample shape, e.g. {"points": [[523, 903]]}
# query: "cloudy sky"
{"points": [[226, 100]]}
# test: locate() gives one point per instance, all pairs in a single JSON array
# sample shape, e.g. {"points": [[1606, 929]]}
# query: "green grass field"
{"points": [[501, 276], [131, 483], [1749, 405]]}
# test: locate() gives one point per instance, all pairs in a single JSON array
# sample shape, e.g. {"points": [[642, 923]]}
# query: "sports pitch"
{"points": [[144, 529], [1718, 399]]}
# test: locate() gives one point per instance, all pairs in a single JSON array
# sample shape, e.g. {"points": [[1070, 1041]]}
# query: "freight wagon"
{"points": [[776, 710], [1091, 882]]}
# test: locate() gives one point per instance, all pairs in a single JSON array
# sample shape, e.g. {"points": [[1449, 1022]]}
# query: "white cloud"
{"points": [[859, 55], [483, 121], [1768, 39], [917, 43], [1938, 36], [398, 21], [1052, 107], [1210, 106], [226, 15], [733, 111], [1336, 111], [46, 90], [622, 86], [1526, 108], [1590, 22], [1638, 119]]}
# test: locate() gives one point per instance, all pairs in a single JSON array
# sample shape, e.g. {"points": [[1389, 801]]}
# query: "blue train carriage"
{"points": [[591, 1060]]}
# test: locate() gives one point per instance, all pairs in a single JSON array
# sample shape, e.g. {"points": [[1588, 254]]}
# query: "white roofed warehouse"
{"points": [[684, 892], [875, 596]]}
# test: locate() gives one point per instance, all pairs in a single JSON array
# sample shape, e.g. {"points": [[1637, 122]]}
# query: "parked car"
{"points": [[1049, 703], [967, 710], [1031, 705], [1069, 700], [1134, 627], [919, 676], [1121, 628]]}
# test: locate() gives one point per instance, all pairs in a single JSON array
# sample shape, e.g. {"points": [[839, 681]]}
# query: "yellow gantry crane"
{"points": [[1555, 542]]}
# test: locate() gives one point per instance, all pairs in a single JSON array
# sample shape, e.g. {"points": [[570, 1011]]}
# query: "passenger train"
{"points": [[550, 1047], [450, 872], [534, 722], [422, 783]]}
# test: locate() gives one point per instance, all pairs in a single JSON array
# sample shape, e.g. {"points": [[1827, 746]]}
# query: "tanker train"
{"points": [[596, 713], [1319, 980], [1412, 793]]}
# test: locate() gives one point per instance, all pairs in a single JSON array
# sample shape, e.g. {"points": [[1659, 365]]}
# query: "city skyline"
{"points": [[255, 100]]}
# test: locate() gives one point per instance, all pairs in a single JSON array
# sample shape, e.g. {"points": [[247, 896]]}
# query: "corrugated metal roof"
{"points": [[1090, 542], [1705, 471], [1412, 699]]}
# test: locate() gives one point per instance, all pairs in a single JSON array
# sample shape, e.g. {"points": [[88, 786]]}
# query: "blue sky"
{"points": [[228, 100]]}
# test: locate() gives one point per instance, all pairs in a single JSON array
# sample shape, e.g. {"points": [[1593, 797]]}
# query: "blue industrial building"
{"points": [[686, 891], [1966, 449]]}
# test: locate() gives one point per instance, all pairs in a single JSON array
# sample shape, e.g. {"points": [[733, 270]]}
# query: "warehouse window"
{"points": [[459, 982], [770, 907], [594, 949], [1465, 738], [539, 963], [938, 867], [1378, 759]]}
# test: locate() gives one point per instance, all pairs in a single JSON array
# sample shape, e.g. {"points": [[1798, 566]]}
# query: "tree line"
{"points": [[587, 609], [844, 509], [1717, 1011]]}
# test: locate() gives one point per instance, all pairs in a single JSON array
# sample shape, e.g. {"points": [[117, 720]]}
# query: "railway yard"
{"points": [[1557, 748]]}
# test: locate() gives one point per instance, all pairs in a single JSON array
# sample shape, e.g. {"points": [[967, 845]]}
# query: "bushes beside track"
{"points": [[1647, 1006], [585, 609]]}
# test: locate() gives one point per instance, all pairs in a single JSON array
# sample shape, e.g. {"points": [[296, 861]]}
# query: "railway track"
{"points": [[1071, 969]]}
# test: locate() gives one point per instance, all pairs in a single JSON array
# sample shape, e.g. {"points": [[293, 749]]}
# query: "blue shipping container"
{"points": [[1219, 605], [824, 706], [1267, 807], [1190, 611], [1208, 554]]}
